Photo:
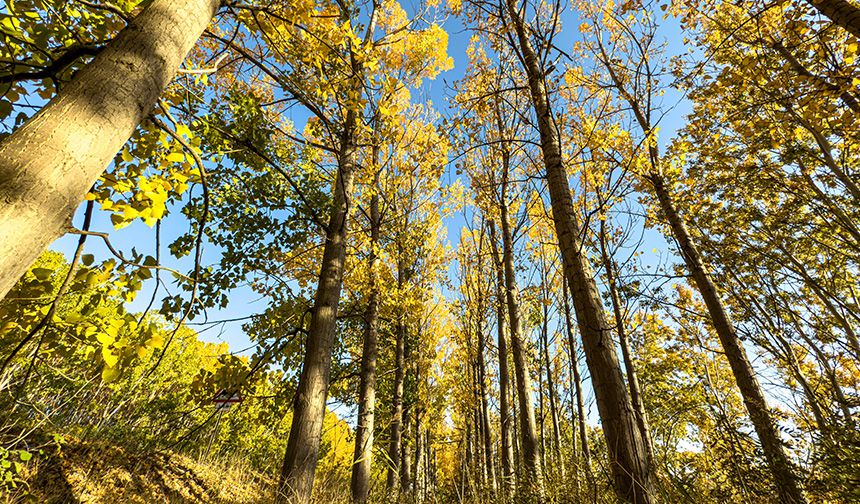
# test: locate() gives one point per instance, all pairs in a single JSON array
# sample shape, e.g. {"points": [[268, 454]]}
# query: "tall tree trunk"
{"points": [[550, 383], [507, 454], [751, 392], [577, 385], [49, 164], [363, 455], [533, 479], [485, 411], [632, 377], [842, 12], [397, 401], [628, 453], [297, 475]]}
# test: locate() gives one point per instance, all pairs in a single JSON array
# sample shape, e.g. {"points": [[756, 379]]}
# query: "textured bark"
{"points": [[49, 164], [363, 455], [751, 392], [300, 460], [628, 453], [531, 453], [632, 377], [485, 412], [842, 12], [397, 401], [577, 386], [550, 383], [507, 453]]}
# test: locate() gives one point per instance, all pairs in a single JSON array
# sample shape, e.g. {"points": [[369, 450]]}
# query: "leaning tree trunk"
{"points": [[363, 454], [48, 164], [751, 392], [507, 454], [842, 12], [628, 452], [300, 460], [777, 460]]}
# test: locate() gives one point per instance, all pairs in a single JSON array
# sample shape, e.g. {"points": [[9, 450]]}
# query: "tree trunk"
{"points": [[297, 475], [363, 455], [628, 453], [485, 412], [550, 383], [577, 385], [632, 377], [50, 163], [751, 392], [507, 455], [397, 400], [841, 12], [528, 431], [753, 397]]}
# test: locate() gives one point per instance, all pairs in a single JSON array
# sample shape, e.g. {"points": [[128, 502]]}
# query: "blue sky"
{"points": [[243, 302]]}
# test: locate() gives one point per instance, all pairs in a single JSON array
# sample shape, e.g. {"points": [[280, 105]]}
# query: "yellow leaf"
{"points": [[109, 357], [110, 374]]}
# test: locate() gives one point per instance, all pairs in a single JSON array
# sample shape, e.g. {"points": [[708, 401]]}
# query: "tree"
{"points": [[81, 129], [627, 450]]}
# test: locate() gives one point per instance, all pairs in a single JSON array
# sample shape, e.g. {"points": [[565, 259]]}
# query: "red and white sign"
{"points": [[225, 401]]}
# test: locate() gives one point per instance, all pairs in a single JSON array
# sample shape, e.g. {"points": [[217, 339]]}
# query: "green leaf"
{"points": [[42, 273]]}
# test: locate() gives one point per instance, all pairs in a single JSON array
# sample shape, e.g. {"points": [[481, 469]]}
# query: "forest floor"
{"points": [[95, 472]]}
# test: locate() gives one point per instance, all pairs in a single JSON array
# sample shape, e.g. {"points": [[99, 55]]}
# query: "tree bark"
{"points": [[528, 430], [507, 454], [841, 12], [632, 377], [363, 456], [628, 453], [751, 392], [297, 474], [50, 163]]}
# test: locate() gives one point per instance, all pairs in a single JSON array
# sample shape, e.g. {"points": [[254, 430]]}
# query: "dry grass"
{"points": [[101, 473]]}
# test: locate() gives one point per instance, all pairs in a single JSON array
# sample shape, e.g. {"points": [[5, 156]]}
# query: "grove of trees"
{"points": [[476, 251]]}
